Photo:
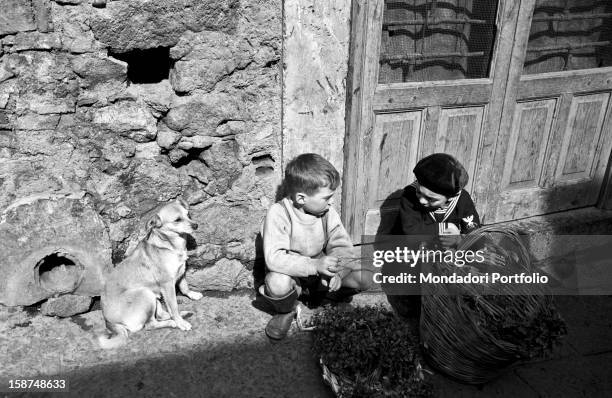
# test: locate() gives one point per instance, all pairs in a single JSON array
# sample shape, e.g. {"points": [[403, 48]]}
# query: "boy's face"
{"points": [[317, 203], [429, 199]]}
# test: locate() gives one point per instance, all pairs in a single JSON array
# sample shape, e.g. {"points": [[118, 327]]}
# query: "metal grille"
{"points": [[425, 40], [569, 35]]}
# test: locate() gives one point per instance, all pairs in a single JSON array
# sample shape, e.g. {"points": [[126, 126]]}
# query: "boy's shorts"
{"points": [[312, 283]]}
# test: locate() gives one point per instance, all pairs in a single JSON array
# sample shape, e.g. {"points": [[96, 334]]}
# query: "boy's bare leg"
{"points": [[279, 285]]}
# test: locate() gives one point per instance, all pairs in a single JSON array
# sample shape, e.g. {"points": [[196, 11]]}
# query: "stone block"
{"points": [[34, 121], [16, 16], [66, 305], [158, 96], [147, 150], [176, 155], [6, 90], [45, 103], [94, 70], [128, 25], [51, 244], [221, 158], [221, 223], [5, 73], [42, 11], [197, 142], [36, 41], [73, 26], [201, 115], [167, 138], [128, 118], [199, 171], [225, 275], [43, 71], [210, 57], [145, 184]]}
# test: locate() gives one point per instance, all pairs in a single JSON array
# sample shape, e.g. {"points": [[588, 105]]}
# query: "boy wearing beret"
{"points": [[436, 203], [437, 206]]}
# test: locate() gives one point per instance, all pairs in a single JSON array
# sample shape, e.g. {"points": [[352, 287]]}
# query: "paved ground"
{"points": [[227, 355]]}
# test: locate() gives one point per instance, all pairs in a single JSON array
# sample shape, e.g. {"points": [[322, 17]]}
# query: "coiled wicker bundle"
{"points": [[460, 330]]}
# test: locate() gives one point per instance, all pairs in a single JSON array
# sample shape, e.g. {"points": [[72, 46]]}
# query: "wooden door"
{"points": [[532, 123], [555, 134], [452, 57]]}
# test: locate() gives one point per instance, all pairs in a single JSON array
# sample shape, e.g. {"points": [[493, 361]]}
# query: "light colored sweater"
{"points": [[290, 243]]}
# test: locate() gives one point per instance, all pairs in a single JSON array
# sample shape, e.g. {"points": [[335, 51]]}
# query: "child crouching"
{"points": [[303, 238]]}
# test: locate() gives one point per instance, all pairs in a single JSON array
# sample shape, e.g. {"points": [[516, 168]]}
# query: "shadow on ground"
{"points": [[226, 354], [240, 369]]}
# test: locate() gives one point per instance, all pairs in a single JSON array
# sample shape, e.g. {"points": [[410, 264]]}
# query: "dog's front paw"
{"points": [[195, 295], [183, 324]]}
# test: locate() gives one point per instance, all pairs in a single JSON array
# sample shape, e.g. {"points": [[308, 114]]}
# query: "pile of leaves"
{"points": [[534, 334], [371, 351]]}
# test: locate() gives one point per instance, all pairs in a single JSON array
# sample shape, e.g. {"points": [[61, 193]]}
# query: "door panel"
{"points": [[394, 143], [459, 135], [557, 152], [583, 132], [525, 157]]}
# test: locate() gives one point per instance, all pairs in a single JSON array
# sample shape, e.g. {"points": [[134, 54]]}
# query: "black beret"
{"points": [[442, 174]]}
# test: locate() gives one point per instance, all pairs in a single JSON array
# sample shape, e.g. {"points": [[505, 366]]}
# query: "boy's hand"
{"points": [[335, 283], [449, 241], [327, 265], [450, 237]]}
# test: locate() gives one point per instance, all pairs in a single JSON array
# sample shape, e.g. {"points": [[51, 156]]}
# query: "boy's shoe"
{"points": [[278, 327]]}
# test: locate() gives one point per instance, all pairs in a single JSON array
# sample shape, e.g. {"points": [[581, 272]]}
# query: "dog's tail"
{"points": [[119, 337]]}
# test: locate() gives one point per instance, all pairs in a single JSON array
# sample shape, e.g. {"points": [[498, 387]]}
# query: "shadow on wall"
{"points": [[388, 213], [259, 265]]}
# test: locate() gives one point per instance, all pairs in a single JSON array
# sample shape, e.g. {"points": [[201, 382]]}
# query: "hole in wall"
{"points": [[146, 66], [262, 160], [188, 156], [264, 171], [264, 165], [59, 273]]}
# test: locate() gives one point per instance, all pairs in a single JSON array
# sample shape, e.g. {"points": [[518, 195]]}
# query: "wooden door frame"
{"points": [[362, 80]]}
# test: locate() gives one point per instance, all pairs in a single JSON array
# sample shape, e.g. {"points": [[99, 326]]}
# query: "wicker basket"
{"points": [[453, 340]]}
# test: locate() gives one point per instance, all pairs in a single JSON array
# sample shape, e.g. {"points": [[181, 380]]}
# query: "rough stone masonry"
{"points": [[111, 109]]}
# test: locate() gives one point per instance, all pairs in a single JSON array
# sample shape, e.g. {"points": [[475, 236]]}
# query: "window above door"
{"points": [[430, 40], [569, 35]]}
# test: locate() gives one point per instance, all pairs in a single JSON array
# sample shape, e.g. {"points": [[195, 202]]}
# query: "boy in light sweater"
{"points": [[303, 238]]}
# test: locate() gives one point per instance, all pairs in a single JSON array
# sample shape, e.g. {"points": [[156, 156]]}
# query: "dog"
{"points": [[137, 289]]}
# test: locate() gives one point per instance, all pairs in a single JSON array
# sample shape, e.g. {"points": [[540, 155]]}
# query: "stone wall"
{"points": [[138, 102], [315, 57]]}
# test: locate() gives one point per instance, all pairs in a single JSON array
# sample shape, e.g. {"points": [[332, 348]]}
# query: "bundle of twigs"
{"points": [[368, 352]]}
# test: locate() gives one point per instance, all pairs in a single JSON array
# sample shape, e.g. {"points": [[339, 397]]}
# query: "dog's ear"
{"points": [[183, 203], [155, 222]]}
